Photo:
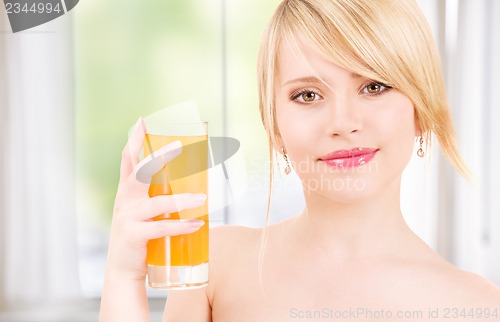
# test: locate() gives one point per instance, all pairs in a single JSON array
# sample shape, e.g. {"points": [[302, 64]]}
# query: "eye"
{"points": [[375, 88], [305, 96]]}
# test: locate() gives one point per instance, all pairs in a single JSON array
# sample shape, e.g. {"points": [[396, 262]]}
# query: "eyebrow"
{"points": [[313, 79]]}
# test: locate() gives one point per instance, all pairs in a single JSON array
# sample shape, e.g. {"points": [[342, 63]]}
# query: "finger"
{"points": [[152, 207], [153, 163], [136, 141], [127, 164], [162, 228]]}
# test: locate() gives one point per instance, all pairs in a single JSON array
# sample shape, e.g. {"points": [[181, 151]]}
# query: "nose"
{"points": [[344, 117]]}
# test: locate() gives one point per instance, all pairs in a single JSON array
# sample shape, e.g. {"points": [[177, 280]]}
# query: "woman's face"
{"points": [[347, 137]]}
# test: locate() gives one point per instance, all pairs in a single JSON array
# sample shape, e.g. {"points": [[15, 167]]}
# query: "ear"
{"points": [[418, 127]]}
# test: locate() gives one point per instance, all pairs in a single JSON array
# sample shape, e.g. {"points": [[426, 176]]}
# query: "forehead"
{"points": [[297, 60]]}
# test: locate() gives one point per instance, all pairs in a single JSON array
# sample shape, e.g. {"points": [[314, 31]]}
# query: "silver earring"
{"points": [[420, 151], [288, 169]]}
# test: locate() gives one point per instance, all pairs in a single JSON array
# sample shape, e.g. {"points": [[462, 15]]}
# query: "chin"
{"points": [[344, 189], [348, 197]]}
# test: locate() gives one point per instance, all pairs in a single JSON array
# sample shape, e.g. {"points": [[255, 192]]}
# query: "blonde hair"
{"points": [[388, 41]]}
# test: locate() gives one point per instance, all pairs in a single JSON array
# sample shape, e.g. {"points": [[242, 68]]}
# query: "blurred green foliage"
{"points": [[134, 57]]}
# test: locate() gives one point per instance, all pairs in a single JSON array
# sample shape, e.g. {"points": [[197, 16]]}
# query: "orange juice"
{"points": [[185, 173]]}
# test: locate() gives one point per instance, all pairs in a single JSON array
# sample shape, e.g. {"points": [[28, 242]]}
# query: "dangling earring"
{"points": [[420, 151], [288, 169]]}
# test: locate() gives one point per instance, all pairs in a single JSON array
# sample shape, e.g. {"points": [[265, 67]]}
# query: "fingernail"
{"points": [[138, 122], [142, 124], [194, 223], [200, 197]]}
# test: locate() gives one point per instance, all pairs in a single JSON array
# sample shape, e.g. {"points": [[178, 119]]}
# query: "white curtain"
{"points": [[491, 179], [474, 83], [462, 220], [38, 258]]}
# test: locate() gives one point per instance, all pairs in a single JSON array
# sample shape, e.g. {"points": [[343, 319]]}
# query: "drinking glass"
{"points": [[179, 262]]}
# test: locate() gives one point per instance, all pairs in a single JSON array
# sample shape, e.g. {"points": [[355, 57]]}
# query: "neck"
{"points": [[346, 229]]}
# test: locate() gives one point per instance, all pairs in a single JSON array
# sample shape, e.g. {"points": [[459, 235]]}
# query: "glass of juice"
{"points": [[179, 262]]}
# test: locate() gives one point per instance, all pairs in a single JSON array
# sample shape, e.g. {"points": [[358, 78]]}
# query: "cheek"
{"points": [[399, 130], [293, 129], [400, 124]]}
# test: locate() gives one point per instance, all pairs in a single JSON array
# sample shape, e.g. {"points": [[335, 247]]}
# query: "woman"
{"points": [[346, 88]]}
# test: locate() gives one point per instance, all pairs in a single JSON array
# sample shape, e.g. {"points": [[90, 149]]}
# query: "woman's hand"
{"points": [[132, 225], [124, 292]]}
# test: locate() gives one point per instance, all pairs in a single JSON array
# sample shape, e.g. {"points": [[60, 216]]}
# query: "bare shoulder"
{"points": [[230, 242], [457, 287], [232, 249], [476, 288]]}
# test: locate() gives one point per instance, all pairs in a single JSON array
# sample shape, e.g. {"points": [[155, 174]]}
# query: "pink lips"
{"points": [[349, 158]]}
